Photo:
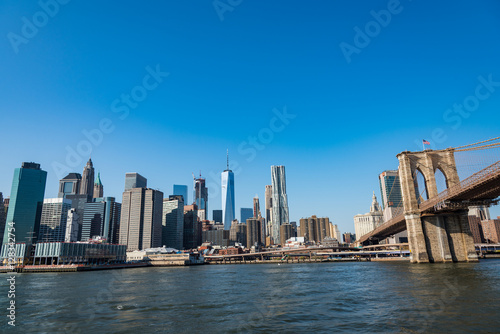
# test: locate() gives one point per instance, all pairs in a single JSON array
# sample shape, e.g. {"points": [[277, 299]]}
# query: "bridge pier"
{"points": [[443, 237]]}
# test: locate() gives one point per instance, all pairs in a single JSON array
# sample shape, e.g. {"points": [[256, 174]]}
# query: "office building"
{"points": [[219, 237], [200, 192], [98, 187], [26, 202], [101, 217], [217, 216], [245, 213], [254, 232], [135, 180], [392, 199], [280, 201], [348, 238], [183, 191], [269, 203], [315, 229], [366, 223], [238, 233], [192, 237], [256, 207], [87, 184], [141, 219], [53, 220], [69, 185], [72, 228], [285, 233], [227, 187], [173, 222]]}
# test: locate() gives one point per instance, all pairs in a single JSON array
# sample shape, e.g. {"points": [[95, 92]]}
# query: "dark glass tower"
{"points": [[26, 202]]}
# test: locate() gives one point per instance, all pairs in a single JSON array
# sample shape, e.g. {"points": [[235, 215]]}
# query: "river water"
{"points": [[368, 297]]}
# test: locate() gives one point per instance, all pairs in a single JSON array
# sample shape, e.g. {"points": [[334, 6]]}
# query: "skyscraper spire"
{"points": [[227, 156]]}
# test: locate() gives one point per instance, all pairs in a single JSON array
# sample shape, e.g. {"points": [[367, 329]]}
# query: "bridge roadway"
{"points": [[479, 187]]}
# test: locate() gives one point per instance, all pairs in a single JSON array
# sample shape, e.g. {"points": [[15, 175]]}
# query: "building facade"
{"points": [[228, 204], [70, 185], [54, 219], [217, 216], [26, 202], [366, 223], [200, 194], [87, 184], [181, 190], [392, 198], [173, 222], [98, 187], [141, 219], [279, 201], [135, 180], [245, 213], [254, 232]]}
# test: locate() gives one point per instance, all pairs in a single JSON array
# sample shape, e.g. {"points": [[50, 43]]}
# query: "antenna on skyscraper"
{"points": [[227, 155]]}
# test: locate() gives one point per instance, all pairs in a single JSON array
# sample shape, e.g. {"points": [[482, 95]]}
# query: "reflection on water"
{"points": [[322, 297]]}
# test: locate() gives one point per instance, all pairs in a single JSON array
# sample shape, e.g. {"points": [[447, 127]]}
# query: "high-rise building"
{"points": [[390, 188], [101, 218], [256, 207], [491, 230], [217, 216], [315, 229], [141, 219], [280, 201], [70, 185], [348, 238], [269, 203], [245, 213], [72, 227], [78, 203], [53, 220], [135, 180], [285, 233], [173, 221], [3, 218], [227, 185], [366, 223], [238, 233], [192, 227], [87, 184], [476, 229], [200, 194], [183, 191], [26, 202], [254, 232], [98, 187]]}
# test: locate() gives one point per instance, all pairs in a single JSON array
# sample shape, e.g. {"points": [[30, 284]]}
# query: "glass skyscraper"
{"points": [[245, 213], [53, 221], [279, 200], [183, 191], [26, 202], [228, 211]]}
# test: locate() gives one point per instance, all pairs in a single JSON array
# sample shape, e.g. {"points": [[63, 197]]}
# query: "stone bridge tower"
{"points": [[433, 235]]}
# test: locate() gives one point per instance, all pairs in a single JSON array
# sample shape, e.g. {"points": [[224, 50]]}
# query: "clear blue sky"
{"points": [[225, 79]]}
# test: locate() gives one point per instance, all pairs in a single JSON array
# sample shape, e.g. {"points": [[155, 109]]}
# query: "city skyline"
{"points": [[271, 99]]}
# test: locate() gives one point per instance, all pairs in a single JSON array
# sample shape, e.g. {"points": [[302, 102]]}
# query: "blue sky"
{"points": [[227, 81]]}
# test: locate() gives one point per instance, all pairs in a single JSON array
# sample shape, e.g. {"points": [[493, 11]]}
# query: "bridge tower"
{"points": [[435, 236]]}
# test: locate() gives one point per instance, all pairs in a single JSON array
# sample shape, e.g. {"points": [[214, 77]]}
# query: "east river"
{"points": [[365, 297]]}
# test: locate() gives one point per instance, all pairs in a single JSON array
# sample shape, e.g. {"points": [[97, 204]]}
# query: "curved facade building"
{"points": [[279, 201]]}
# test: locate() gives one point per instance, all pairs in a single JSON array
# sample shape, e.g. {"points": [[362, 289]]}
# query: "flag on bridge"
{"points": [[426, 142]]}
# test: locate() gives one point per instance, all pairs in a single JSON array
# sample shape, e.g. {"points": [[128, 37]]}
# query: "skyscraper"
{"points": [[141, 218], [98, 187], [173, 221], [135, 180], [280, 201], [101, 217], [254, 230], [256, 207], [183, 191], [217, 216], [26, 202], [53, 220], [69, 185], [200, 194], [390, 188], [245, 213], [192, 237], [369, 221], [228, 210], [87, 184]]}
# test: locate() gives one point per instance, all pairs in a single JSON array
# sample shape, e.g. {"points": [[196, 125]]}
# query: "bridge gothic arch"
{"points": [[436, 237]]}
